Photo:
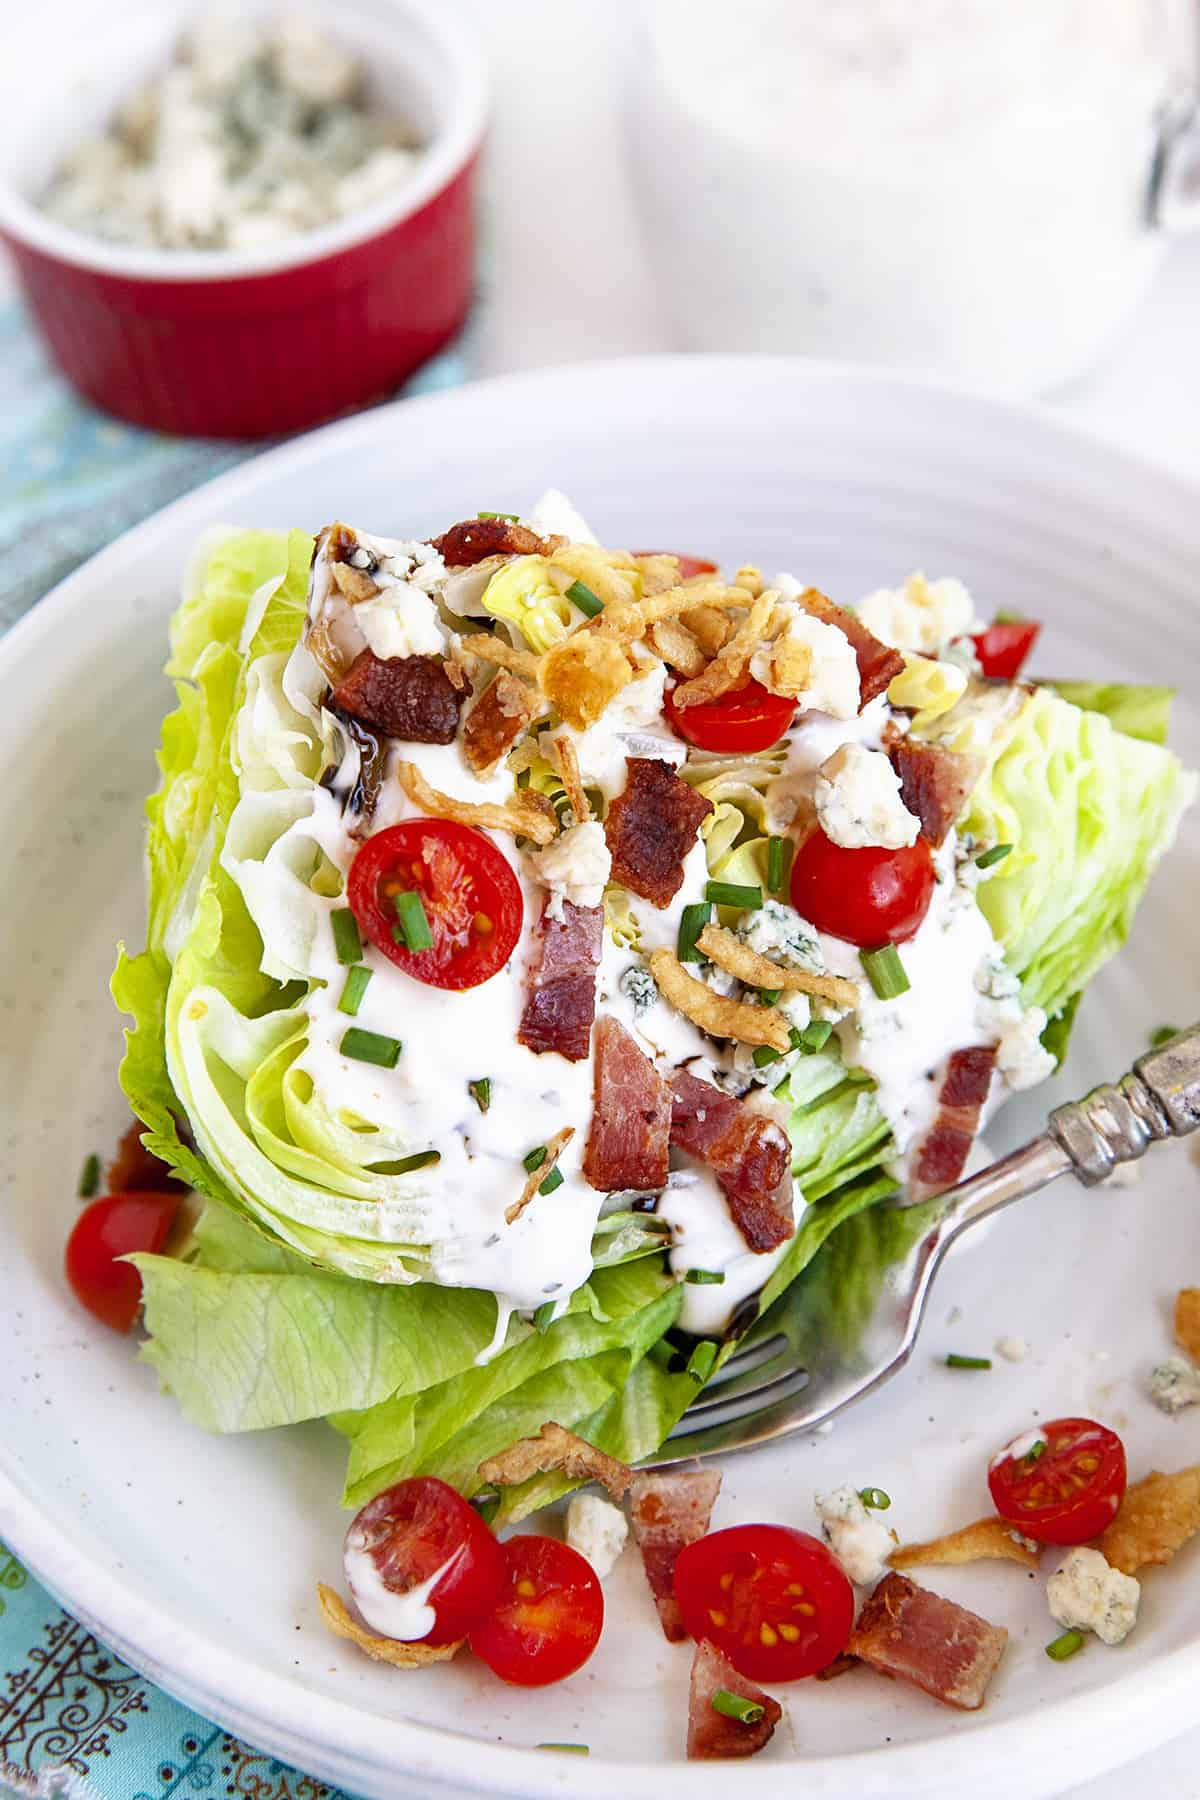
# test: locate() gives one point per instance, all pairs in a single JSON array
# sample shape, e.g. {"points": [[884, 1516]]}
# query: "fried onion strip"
{"points": [[729, 665], [555, 1447], [986, 1540], [677, 646], [535, 1177], [716, 1013], [526, 815], [338, 1619], [736, 958], [490, 647], [568, 768]]}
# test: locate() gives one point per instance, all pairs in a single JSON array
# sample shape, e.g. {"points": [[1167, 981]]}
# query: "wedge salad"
{"points": [[549, 946]]}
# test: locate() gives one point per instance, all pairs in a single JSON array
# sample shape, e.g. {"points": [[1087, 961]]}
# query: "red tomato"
{"points": [[105, 1230], [688, 565], [549, 1615], [412, 1530], [775, 1601], [868, 897], [746, 718], [472, 899], [1069, 1492], [1004, 645]]}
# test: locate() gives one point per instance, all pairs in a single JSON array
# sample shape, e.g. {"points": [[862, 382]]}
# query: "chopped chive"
{"points": [[705, 1277], [736, 1706], [875, 1499], [553, 1180], [1065, 1646], [481, 1092], [89, 1177], [954, 1361], [346, 939], [734, 893], [885, 971], [778, 857], [357, 981], [765, 1055], [509, 518], [1163, 1035], [573, 1749], [533, 1159], [414, 921], [487, 1506], [770, 996], [700, 1362], [989, 858], [1034, 1454], [692, 921], [816, 1035], [370, 1047], [1009, 618], [421, 1160], [585, 600], [543, 1318]]}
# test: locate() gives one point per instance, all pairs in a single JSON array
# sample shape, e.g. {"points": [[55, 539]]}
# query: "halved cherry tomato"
{"points": [[747, 718], [110, 1228], [868, 896], [409, 1532], [1003, 646], [471, 897], [775, 1601], [1067, 1493], [548, 1618], [688, 565]]}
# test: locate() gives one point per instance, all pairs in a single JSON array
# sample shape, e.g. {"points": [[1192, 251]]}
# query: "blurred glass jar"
{"points": [[966, 187]]}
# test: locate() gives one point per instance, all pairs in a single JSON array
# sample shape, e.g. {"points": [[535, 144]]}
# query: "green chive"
{"points": [[885, 971], [553, 1180], [481, 1092], [357, 981], [875, 1499], [779, 851], [692, 921], [1009, 618], [487, 1506], [990, 858], [509, 518], [543, 1318], [89, 1177], [370, 1047], [734, 893], [770, 996], [954, 1361], [533, 1159], [764, 1056], [700, 1363], [414, 922], [816, 1035], [705, 1277], [736, 1706], [1065, 1646], [346, 939], [1158, 1038], [1035, 1454], [573, 1749], [421, 1160], [585, 600]]}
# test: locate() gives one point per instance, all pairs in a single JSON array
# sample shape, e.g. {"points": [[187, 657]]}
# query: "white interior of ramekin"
{"points": [[68, 63]]}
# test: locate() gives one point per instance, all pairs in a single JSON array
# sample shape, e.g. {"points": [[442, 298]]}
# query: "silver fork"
{"points": [[798, 1377]]}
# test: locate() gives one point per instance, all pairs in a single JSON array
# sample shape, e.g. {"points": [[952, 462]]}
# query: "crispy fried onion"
{"points": [[716, 1013], [729, 665], [491, 647], [568, 768], [659, 571], [630, 621], [750, 578], [354, 583], [341, 1622], [711, 628], [736, 958], [1187, 1321], [535, 1177], [583, 673], [1157, 1516], [527, 814], [555, 1447], [986, 1540], [677, 646]]}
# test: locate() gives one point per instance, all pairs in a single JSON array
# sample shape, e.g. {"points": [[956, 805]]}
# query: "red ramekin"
{"points": [[244, 343]]}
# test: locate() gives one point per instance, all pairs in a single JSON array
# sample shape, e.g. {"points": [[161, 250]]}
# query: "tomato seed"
{"points": [[719, 1619], [768, 1636], [726, 1582], [806, 1607], [789, 1633], [526, 1589]]}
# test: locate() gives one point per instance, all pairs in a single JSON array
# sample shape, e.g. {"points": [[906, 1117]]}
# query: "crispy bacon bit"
{"points": [[942, 1156], [629, 1140], [907, 1631], [561, 1002], [985, 1540], [935, 783], [841, 1665], [526, 815], [134, 1169], [555, 1447], [535, 1178], [711, 1735], [505, 709], [668, 1512], [651, 826], [409, 697], [747, 1152], [341, 1622], [877, 664], [474, 539]]}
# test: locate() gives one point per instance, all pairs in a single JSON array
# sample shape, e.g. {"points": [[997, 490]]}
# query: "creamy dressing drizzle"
{"points": [[408, 1617]]}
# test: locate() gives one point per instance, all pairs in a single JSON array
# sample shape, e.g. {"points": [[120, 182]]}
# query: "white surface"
{"points": [[144, 1527]]}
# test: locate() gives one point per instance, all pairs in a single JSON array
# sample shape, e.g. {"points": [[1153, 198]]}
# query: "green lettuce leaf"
{"points": [[1140, 712]]}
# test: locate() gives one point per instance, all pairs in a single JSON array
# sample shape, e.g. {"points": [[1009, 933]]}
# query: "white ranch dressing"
{"points": [[1020, 1448], [407, 1617], [704, 1236]]}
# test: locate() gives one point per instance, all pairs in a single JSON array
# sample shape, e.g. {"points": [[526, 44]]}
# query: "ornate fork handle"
{"points": [[1159, 1098]]}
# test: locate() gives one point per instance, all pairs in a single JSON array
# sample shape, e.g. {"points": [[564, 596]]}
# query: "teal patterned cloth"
{"points": [[74, 1720]]}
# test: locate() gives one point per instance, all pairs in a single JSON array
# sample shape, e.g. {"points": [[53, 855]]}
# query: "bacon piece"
{"points": [[711, 1734], [409, 697], [747, 1152], [497, 719], [942, 1156], [561, 1002], [668, 1513], [134, 1169], [554, 1447], [907, 1631], [650, 828], [474, 540], [878, 664], [935, 783], [629, 1141]]}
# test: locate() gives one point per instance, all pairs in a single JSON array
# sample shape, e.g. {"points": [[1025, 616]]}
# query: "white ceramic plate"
{"points": [[196, 1557]]}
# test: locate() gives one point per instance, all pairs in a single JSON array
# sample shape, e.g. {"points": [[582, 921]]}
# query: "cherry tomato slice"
{"points": [[107, 1229], [775, 1601], [548, 1618], [408, 1533], [747, 718], [471, 897], [869, 896], [1003, 646], [688, 565], [1067, 1493]]}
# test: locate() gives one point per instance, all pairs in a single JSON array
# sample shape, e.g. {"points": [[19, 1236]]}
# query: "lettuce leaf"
{"points": [[1140, 712]]}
